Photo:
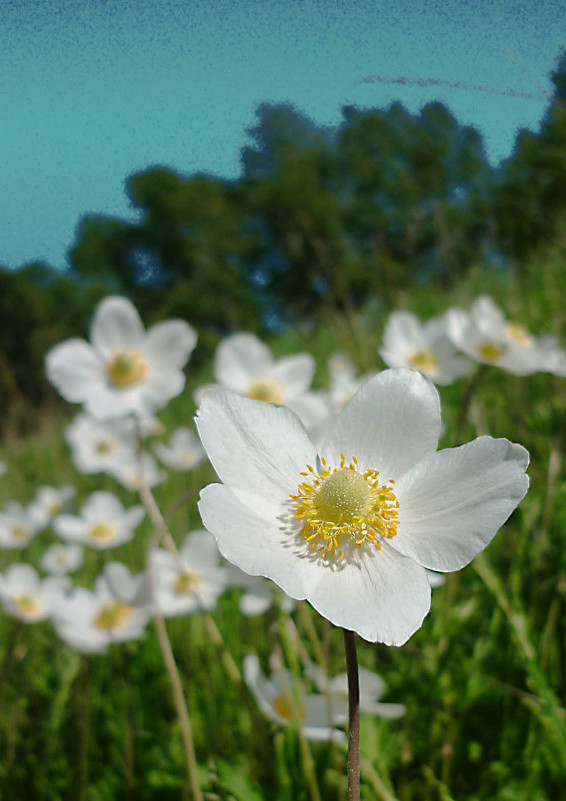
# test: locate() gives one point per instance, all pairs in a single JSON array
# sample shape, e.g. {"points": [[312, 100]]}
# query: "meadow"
{"points": [[482, 681]]}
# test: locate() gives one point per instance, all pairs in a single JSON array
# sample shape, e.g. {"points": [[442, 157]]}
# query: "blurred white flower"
{"points": [[487, 336], [274, 697], [25, 596], [343, 383], [125, 369], [194, 581], [183, 452], [102, 522], [259, 592], [244, 364], [61, 559], [407, 342], [17, 526], [130, 472], [49, 502], [372, 688], [90, 620]]}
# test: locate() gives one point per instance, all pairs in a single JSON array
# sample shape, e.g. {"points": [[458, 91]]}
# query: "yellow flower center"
{"points": [[127, 368], [55, 508], [113, 615], [518, 334], [28, 604], [489, 351], [423, 360], [20, 531], [265, 389], [103, 532], [342, 506], [187, 582], [282, 706], [105, 446]]}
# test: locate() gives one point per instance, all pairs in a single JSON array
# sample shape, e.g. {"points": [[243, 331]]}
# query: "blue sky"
{"points": [[93, 90]]}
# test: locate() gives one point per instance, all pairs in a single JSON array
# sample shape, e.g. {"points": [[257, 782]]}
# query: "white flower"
{"points": [[98, 446], [245, 365], [194, 581], [371, 686], [27, 597], [130, 472], [258, 595], [125, 369], [275, 699], [62, 559], [183, 452], [90, 620], [487, 336], [17, 526], [49, 502], [102, 522], [352, 530], [422, 346], [343, 381]]}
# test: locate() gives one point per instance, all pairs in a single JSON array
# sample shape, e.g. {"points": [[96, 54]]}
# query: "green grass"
{"points": [[483, 680]]}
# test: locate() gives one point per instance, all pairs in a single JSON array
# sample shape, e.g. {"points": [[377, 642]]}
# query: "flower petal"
{"points": [[73, 368], [248, 534], [452, 503], [391, 423], [239, 360], [168, 345], [116, 325], [254, 445], [384, 598], [294, 374]]}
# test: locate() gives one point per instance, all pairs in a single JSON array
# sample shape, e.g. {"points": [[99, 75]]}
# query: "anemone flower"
{"points": [[484, 334], [125, 369], [183, 452], [59, 559], [407, 342], [102, 522], [192, 582], [25, 596], [91, 620], [49, 502], [275, 699], [244, 364], [353, 529], [371, 687], [17, 526]]}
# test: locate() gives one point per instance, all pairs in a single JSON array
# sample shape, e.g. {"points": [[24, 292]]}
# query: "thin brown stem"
{"points": [[353, 716], [159, 533]]}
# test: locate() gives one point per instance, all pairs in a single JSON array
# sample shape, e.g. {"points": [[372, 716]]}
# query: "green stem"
{"points": [[471, 390]]}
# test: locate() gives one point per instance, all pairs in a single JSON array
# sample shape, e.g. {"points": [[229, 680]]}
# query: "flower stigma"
{"points": [[127, 368], [187, 582], [27, 603], [102, 532], [105, 445], [265, 389], [518, 334], [113, 615], [341, 506], [424, 360], [490, 351]]}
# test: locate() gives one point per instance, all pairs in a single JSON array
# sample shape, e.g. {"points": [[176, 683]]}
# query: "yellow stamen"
{"points": [[187, 582], [27, 603], [127, 368], [518, 334], [265, 389], [20, 531], [103, 532], [282, 706], [105, 446], [341, 506], [113, 615], [489, 351], [423, 360]]}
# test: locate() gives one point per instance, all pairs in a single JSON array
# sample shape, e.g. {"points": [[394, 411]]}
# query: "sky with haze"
{"points": [[94, 90]]}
